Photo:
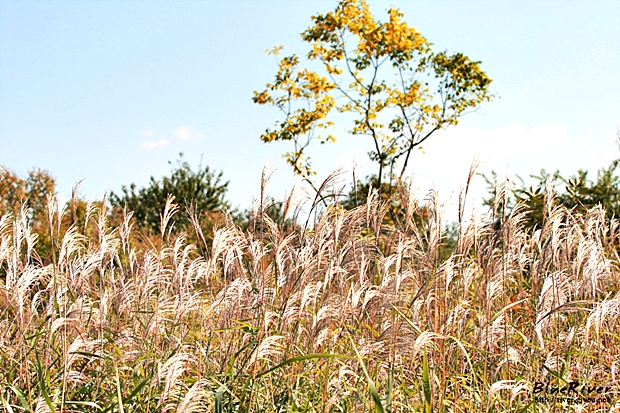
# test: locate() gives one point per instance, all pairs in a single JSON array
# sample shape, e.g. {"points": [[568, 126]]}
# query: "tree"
{"points": [[577, 193], [276, 211], [358, 195], [357, 55], [200, 190], [33, 192]]}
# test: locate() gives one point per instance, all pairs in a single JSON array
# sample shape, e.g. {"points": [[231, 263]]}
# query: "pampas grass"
{"points": [[340, 313]]}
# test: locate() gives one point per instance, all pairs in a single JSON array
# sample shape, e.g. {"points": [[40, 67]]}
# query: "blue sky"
{"points": [[109, 92]]}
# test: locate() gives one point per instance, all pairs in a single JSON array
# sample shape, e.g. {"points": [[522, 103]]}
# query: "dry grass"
{"points": [[347, 315]]}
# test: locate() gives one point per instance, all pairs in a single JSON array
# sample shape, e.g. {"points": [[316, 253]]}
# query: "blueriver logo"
{"points": [[572, 392]]}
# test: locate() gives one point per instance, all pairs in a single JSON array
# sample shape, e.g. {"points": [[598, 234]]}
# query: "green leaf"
{"points": [[371, 385], [302, 358], [44, 385], [427, 385], [219, 399]]}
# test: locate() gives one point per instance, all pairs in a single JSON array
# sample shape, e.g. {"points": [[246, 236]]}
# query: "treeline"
{"points": [[197, 199]]}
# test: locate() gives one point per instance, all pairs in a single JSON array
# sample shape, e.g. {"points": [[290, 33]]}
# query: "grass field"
{"points": [[345, 314]]}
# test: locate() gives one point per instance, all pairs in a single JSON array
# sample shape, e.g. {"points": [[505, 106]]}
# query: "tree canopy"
{"points": [[202, 190], [577, 192], [32, 192], [385, 74]]}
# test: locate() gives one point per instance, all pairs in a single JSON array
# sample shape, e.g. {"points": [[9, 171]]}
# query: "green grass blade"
{"points": [[371, 385], [44, 385], [131, 395], [21, 397], [119, 393], [427, 384], [302, 358], [219, 399]]}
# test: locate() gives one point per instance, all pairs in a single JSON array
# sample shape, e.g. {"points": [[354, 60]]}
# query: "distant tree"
{"points": [[396, 214], [583, 194], [32, 191], [577, 192], [254, 220], [202, 191], [358, 56], [358, 195]]}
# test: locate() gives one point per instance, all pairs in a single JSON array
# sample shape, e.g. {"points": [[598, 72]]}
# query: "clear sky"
{"points": [[108, 92]]}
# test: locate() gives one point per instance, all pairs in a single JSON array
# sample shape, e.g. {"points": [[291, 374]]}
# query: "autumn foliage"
{"points": [[385, 74]]}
